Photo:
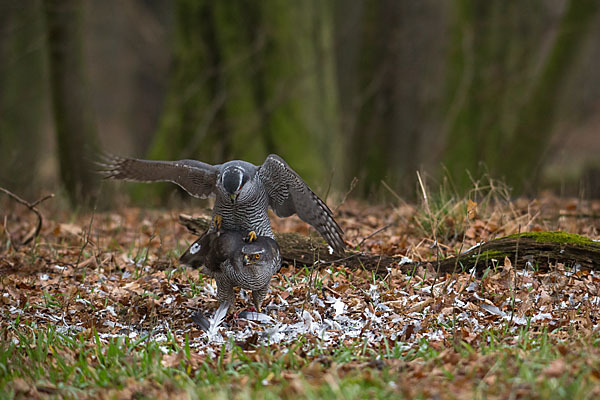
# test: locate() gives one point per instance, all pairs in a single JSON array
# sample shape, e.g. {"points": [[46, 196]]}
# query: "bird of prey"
{"points": [[243, 191], [235, 260]]}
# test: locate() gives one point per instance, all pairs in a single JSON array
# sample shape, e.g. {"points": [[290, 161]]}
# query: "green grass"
{"points": [[72, 366], [444, 214]]}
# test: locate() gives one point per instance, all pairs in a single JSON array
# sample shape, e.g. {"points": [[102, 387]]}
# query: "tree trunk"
{"points": [[500, 106], [74, 122], [387, 58], [493, 48], [192, 122], [249, 79], [524, 154], [21, 94]]}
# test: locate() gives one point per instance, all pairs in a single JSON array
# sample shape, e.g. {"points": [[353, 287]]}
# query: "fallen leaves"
{"points": [[70, 229], [126, 283], [556, 369], [175, 359]]}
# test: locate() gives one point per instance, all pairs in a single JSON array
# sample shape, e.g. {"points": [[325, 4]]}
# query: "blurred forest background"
{"points": [[372, 89]]}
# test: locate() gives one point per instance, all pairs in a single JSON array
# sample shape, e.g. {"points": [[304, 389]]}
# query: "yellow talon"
{"points": [[218, 220], [251, 236]]}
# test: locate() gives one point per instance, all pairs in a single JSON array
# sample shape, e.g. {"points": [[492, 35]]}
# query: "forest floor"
{"points": [[98, 307]]}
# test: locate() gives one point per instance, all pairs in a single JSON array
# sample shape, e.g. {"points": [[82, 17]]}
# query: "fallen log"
{"points": [[536, 250], [533, 249]]}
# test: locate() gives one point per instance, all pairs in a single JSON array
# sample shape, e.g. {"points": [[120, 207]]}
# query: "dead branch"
{"points": [[31, 207]]}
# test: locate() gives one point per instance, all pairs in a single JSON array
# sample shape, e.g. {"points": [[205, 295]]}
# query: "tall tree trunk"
{"points": [[492, 56], [530, 138], [248, 79], [21, 94], [500, 104], [299, 111], [387, 71], [74, 122]]}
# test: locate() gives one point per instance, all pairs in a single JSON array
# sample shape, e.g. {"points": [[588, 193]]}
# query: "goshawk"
{"points": [[235, 260], [244, 191]]}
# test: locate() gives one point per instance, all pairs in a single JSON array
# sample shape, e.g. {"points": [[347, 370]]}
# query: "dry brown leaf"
{"points": [[70, 229], [556, 369]]}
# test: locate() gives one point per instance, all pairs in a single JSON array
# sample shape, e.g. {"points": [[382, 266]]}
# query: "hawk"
{"points": [[244, 191], [235, 260]]}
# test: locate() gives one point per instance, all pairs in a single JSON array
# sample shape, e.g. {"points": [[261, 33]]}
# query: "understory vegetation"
{"points": [[97, 306]]}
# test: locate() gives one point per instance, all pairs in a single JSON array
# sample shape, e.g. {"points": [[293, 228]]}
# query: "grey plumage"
{"points": [[243, 191], [233, 261]]}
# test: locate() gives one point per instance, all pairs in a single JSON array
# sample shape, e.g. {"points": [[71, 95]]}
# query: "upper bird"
{"points": [[243, 191]]}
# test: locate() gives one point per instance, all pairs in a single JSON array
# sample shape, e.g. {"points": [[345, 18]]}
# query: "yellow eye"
{"points": [[257, 256]]}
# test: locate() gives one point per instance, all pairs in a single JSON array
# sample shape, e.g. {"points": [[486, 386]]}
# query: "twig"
{"points": [[332, 291], [308, 292], [590, 216], [456, 263], [39, 201], [5, 226], [31, 207], [434, 224], [425, 199], [339, 260], [373, 234], [329, 185], [514, 289], [389, 189], [352, 186], [459, 252], [87, 237]]}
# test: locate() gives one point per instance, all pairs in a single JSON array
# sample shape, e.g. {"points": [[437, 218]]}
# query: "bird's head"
{"points": [[233, 180], [261, 252], [253, 256]]}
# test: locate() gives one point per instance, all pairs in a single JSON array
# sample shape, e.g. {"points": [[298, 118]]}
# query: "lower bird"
{"points": [[235, 260]]}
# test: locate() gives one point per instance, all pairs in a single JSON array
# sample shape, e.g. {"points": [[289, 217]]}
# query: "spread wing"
{"points": [[289, 194], [195, 177]]}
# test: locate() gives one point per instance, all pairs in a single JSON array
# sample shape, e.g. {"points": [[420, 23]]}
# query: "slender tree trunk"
{"points": [[489, 67], [21, 94], [501, 104], [193, 122], [249, 79], [527, 144], [299, 110], [388, 78], [73, 118]]}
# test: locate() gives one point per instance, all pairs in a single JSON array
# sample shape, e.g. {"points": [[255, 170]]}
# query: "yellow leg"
{"points": [[218, 220], [251, 237], [257, 298], [231, 310]]}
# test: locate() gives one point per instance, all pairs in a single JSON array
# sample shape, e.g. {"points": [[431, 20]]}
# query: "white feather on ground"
{"points": [[217, 320]]}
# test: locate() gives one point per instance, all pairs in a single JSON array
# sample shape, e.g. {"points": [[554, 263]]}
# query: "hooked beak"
{"points": [[247, 260], [233, 197]]}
